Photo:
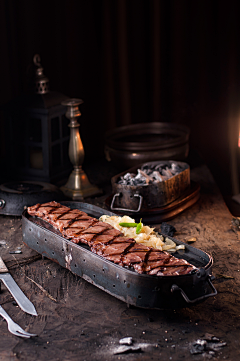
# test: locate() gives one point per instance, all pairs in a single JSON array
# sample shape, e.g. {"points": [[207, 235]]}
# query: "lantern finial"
{"points": [[41, 82]]}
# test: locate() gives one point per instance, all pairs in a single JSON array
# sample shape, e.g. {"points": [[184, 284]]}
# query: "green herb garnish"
{"points": [[128, 224], [137, 225]]}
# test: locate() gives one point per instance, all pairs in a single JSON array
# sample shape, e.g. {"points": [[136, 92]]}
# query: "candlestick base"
{"points": [[78, 186]]}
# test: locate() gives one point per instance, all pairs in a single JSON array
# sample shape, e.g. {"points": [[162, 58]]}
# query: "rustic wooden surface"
{"points": [[77, 321]]}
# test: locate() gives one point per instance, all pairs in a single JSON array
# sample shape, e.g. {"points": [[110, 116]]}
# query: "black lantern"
{"points": [[38, 133]]}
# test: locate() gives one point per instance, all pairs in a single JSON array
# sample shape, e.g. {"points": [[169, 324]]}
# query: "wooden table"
{"points": [[77, 321]]}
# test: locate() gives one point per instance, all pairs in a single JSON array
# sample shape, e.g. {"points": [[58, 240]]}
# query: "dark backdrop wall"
{"points": [[134, 61]]}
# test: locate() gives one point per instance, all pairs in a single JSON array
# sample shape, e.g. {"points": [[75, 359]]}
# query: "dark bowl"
{"points": [[130, 145]]}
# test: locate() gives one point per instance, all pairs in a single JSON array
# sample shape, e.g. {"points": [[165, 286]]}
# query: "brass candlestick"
{"points": [[78, 185]]}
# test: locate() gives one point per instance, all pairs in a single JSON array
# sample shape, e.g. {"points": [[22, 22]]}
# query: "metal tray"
{"points": [[135, 289]]}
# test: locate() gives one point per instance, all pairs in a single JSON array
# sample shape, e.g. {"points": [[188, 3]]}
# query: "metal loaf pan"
{"points": [[140, 290]]}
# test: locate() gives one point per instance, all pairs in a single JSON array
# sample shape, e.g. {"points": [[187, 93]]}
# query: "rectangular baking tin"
{"points": [[140, 290]]}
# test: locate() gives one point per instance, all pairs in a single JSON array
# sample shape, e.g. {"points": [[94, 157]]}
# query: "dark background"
{"points": [[134, 61]]}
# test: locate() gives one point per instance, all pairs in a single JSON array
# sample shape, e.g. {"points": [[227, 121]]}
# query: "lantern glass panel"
{"points": [[35, 130], [35, 158], [65, 147], [55, 129], [56, 155], [19, 158], [19, 129], [65, 127]]}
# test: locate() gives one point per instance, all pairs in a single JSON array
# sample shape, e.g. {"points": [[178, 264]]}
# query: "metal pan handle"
{"points": [[126, 209], [2, 203], [175, 288]]}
